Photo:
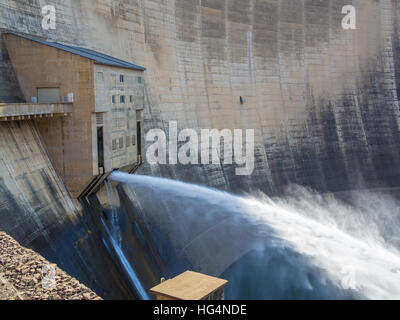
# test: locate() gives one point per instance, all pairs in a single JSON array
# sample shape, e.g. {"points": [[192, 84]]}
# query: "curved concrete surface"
{"points": [[323, 100]]}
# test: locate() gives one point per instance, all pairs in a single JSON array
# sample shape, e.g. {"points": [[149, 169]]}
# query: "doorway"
{"points": [[139, 139], [100, 148]]}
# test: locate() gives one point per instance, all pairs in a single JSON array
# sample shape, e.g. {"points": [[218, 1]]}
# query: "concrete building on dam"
{"points": [[100, 98]]}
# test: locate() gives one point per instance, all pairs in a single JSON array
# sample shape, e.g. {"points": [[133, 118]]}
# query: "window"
{"points": [[121, 78], [99, 119], [128, 141], [113, 99], [100, 147], [241, 100], [48, 95], [121, 143], [114, 144], [122, 99], [131, 99], [139, 80], [100, 76]]}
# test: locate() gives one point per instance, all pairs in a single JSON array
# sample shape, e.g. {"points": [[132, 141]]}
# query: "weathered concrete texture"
{"points": [[322, 100], [34, 204], [25, 275], [33, 198]]}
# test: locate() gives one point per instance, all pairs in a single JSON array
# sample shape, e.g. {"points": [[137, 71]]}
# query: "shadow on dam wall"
{"points": [[323, 101]]}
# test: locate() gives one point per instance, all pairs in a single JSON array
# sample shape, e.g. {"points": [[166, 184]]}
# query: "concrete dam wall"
{"points": [[323, 102]]}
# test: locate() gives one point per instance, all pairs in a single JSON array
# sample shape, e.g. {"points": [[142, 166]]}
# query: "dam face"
{"points": [[323, 102]]}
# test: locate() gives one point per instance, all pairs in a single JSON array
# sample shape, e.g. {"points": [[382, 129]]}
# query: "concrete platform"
{"points": [[27, 111], [188, 286]]}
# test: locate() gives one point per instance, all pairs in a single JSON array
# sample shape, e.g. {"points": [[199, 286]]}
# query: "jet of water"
{"points": [[346, 245], [114, 225]]}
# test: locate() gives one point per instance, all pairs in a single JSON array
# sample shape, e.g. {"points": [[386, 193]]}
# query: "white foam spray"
{"points": [[355, 245]]}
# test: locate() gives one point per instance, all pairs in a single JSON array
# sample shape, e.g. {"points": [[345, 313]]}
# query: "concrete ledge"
{"points": [[26, 111]]}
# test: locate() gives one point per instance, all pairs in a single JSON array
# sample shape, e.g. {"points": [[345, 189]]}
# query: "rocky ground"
{"points": [[25, 275]]}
